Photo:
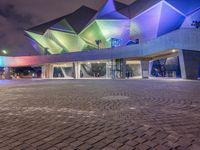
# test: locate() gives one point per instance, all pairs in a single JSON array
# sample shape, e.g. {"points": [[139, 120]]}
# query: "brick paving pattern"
{"points": [[100, 115]]}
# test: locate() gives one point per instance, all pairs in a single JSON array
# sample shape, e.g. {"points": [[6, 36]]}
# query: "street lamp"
{"points": [[4, 52]]}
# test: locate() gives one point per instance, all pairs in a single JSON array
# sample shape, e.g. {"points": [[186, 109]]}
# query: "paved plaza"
{"points": [[100, 115]]}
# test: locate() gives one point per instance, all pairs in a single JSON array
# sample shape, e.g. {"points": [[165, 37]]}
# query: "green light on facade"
{"points": [[70, 42], [93, 33], [47, 43]]}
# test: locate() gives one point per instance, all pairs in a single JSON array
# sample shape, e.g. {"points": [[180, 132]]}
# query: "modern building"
{"points": [[148, 38]]}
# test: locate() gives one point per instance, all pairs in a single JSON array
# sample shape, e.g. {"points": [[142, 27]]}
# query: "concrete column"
{"points": [[74, 72], [150, 68], [189, 64], [182, 65], [43, 72], [77, 70], [113, 68], [47, 71], [50, 71], [109, 69], [123, 68], [145, 69], [7, 73]]}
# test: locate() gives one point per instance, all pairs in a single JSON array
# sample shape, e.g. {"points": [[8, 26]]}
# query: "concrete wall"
{"points": [[145, 69], [190, 62]]}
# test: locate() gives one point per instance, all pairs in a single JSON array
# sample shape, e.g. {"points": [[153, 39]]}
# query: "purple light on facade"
{"points": [[5, 82], [185, 6], [170, 19], [107, 8], [59, 28], [145, 25], [35, 46], [156, 21], [113, 15]]}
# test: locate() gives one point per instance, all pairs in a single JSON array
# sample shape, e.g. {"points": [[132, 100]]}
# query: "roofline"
{"points": [[59, 19]]}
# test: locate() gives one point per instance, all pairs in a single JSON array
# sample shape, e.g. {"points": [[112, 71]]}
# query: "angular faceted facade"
{"points": [[63, 34], [115, 24], [81, 30], [158, 20]]}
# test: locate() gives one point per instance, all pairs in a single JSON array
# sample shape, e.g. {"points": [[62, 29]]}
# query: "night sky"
{"points": [[18, 15]]}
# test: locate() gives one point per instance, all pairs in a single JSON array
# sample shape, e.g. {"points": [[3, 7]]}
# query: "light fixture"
{"points": [[4, 51], [173, 51]]}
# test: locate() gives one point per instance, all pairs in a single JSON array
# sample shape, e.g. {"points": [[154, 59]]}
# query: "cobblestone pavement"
{"points": [[100, 115]]}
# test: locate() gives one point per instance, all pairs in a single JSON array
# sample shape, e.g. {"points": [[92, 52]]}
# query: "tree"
{"points": [[98, 42]]}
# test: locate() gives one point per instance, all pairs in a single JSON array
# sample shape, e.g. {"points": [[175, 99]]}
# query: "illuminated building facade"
{"points": [[148, 38]]}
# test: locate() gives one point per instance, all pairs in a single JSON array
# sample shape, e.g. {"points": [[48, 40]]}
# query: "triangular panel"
{"points": [[64, 26], [125, 12], [47, 43], [170, 20], [39, 49], [93, 33], [113, 15], [108, 7], [139, 6], [80, 18], [41, 29], [50, 36], [119, 29], [70, 42], [145, 26], [185, 6], [119, 5]]}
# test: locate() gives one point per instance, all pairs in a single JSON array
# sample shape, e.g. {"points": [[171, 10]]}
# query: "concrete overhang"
{"points": [[187, 39]]}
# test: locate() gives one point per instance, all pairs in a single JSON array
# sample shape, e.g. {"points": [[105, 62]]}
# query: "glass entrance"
{"points": [[166, 67]]}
